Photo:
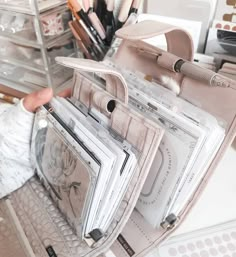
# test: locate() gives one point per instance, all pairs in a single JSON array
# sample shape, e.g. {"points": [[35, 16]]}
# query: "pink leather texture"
{"points": [[217, 100], [41, 220], [11, 243], [115, 83], [179, 42]]}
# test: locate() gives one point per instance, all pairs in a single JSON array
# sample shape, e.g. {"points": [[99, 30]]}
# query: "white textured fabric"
{"points": [[15, 133]]}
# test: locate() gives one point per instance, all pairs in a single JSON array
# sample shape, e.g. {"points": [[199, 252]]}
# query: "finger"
{"points": [[33, 101], [65, 93]]}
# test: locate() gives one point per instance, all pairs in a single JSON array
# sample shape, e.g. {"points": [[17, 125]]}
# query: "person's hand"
{"points": [[16, 123], [34, 100]]}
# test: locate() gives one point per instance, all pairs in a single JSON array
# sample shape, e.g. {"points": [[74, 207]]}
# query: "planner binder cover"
{"points": [[134, 114]]}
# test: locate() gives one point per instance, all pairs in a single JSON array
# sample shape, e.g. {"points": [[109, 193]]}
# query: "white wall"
{"points": [[198, 10]]}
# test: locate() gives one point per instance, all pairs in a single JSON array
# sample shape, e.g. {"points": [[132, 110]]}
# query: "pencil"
{"points": [[9, 98]]}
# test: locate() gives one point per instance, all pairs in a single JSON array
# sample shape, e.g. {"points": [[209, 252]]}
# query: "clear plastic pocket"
{"points": [[13, 241], [66, 168], [192, 138], [122, 141]]}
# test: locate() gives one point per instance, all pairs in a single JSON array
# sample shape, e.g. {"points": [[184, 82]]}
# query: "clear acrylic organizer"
{"points": [[32, 34], [32, 7]]}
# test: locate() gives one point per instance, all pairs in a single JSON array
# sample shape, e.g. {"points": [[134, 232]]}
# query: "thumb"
{"points": [[34, 100]]}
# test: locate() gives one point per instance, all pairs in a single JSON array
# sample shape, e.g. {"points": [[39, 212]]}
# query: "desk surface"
{"points": [[217, 202]]}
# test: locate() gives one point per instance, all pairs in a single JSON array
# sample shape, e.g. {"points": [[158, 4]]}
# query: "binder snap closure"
{"points": [[169, 222], [42, 123]]}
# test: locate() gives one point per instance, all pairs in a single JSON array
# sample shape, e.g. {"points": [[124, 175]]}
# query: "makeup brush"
{"points": [[124, 12], [95, 21], [81, 44], [101, 10], [79, 12], [77, 9], [91, 6], [97, 25], [95, 52], [86, 4], [135, 6], [109, 20]]}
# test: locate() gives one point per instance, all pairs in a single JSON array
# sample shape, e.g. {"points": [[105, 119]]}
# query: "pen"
{"points": [[9, 99], [189, 69], [123, 14], [196, 72]]}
